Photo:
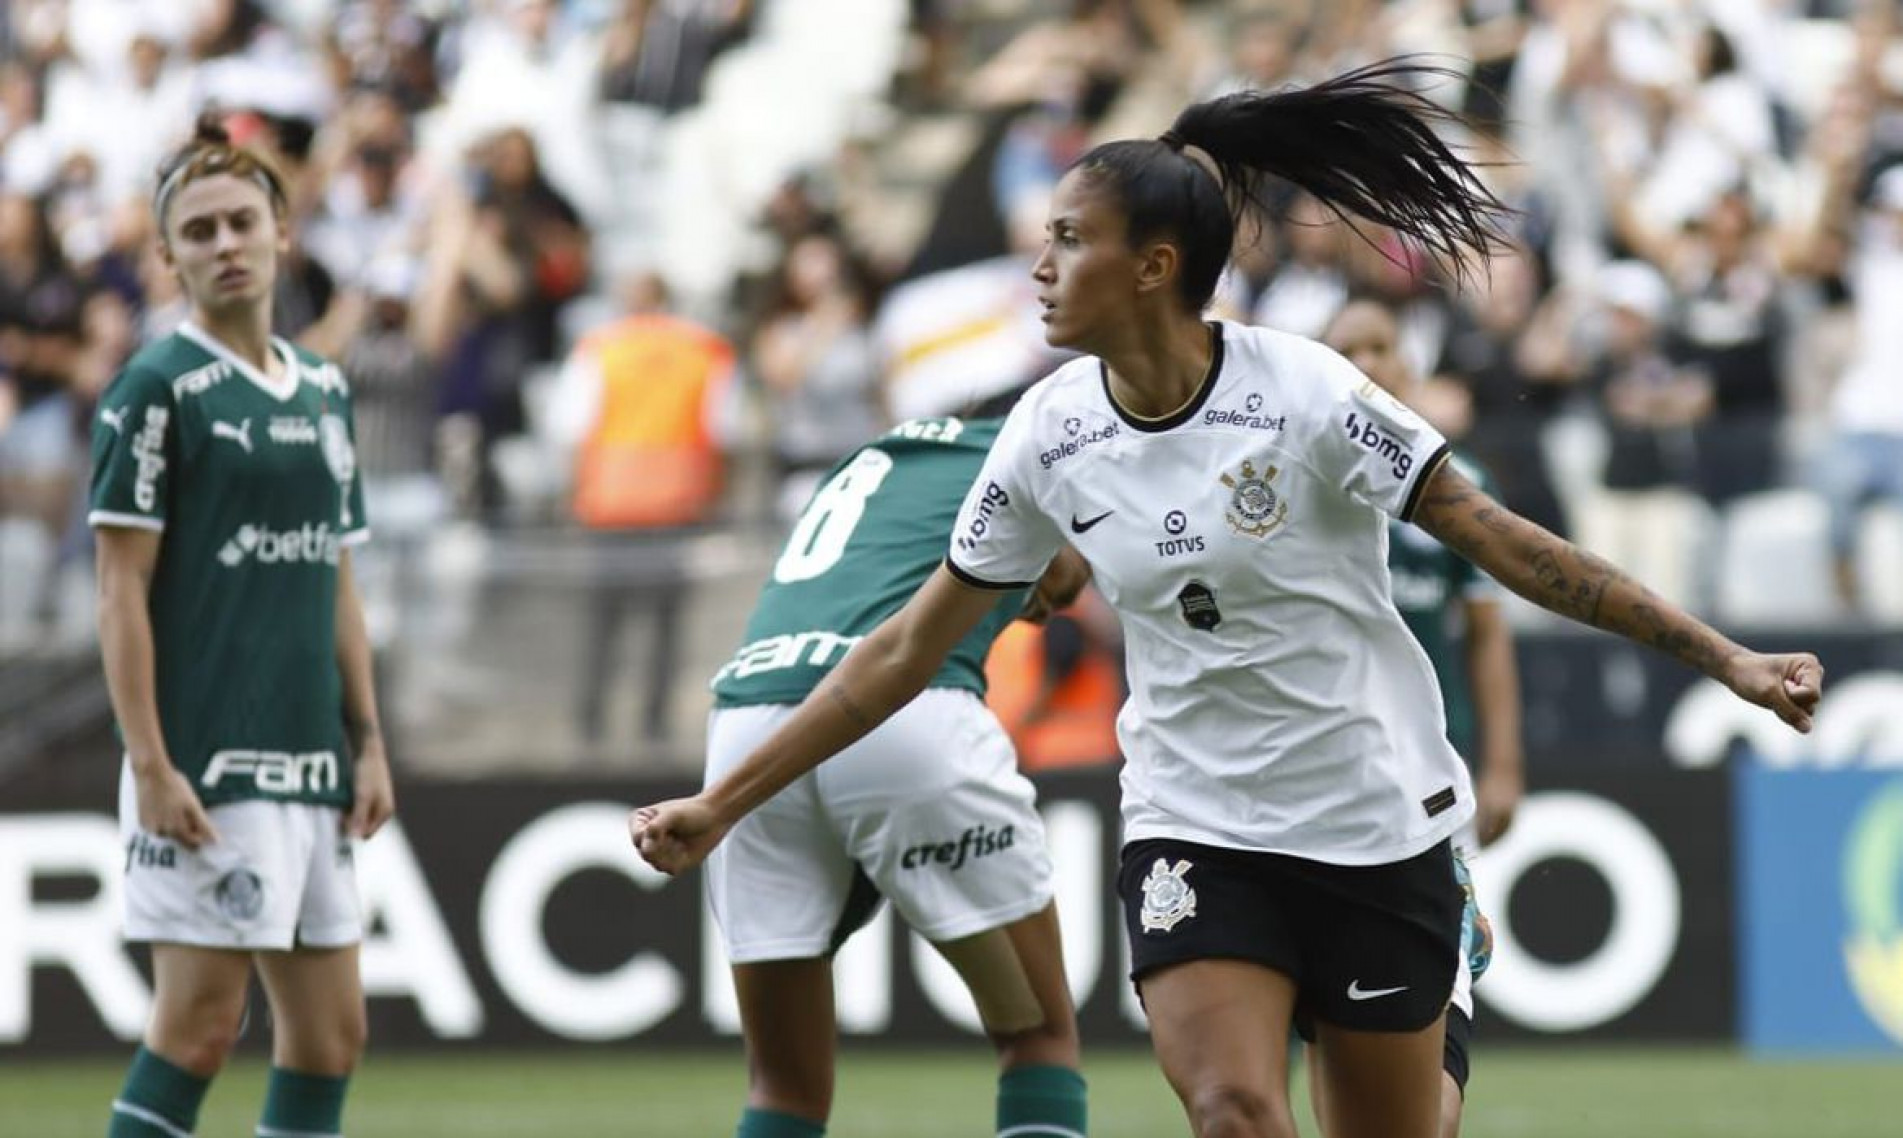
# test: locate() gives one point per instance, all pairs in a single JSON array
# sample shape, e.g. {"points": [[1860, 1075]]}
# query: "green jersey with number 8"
{"points": [[868, 538]]}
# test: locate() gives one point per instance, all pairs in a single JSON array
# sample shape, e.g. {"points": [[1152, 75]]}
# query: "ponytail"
{"points": [[1363, 143]]}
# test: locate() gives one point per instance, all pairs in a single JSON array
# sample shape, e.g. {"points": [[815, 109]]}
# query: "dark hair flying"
{"points": [[1364, 143]]}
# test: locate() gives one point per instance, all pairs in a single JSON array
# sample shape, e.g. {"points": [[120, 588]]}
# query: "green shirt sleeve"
{"points": [[134, 452]]}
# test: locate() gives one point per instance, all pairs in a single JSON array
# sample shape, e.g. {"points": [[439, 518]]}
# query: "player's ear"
{"points": [[1157, 265]]}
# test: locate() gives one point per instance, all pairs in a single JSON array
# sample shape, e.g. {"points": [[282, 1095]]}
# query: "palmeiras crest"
{"points": [[339, 455], [1168, 900], [1254, 509], [240, 896]]}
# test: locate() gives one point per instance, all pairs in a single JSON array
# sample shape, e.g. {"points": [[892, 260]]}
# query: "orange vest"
{"points": [[649, 461], [1079, 725]]}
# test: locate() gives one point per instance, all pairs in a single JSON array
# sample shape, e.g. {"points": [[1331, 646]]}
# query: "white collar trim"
{"points": [[281, 390]]}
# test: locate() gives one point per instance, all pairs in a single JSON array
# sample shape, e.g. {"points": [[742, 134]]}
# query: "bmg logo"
{"points": [[994, 499]]}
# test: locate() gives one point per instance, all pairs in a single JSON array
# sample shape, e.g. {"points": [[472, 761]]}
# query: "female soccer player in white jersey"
{"points": [[1288, 791], [225, 496]]}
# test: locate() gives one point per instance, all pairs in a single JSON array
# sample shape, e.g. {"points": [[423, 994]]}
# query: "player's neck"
{"points": [[245, 333], [1157, 372]]}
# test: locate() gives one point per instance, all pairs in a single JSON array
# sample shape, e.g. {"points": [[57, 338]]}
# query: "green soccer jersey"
{"points": [[874, 531], [253, 484], [1428, 579]]}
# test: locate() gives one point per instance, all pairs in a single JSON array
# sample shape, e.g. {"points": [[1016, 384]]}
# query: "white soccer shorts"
{"points": [[930, 807], [281, 875]]}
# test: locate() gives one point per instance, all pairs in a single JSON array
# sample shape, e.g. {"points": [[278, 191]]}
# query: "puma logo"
{"points": [[114, 417], [240, 434]]}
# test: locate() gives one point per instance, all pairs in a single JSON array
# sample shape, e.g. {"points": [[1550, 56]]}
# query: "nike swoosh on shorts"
{"points": [[1357, 992]]}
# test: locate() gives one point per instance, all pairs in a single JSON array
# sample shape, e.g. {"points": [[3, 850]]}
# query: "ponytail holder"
{"points": [[1196, 154]]}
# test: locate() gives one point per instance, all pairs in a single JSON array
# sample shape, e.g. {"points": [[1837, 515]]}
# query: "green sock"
{"points": [[757, 1123], [159, 1100], [297, 1105], [1041, 1102]]}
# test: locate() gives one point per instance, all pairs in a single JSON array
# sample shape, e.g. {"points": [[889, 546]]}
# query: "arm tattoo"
{"points": [[1560, 576], [850, 706]]}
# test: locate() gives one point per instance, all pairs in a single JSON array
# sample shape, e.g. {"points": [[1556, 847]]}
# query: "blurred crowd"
{"points": [[581, 258]]}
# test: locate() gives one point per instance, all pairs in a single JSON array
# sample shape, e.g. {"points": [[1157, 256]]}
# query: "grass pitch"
{"points": [[1578, 1093]]}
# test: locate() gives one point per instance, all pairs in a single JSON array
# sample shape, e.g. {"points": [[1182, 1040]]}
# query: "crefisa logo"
{"points": [[1873, 907]]}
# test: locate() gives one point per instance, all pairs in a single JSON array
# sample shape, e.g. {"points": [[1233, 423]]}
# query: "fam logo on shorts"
{"points": [[1168, 899], [1255, 509], [240, 895]]}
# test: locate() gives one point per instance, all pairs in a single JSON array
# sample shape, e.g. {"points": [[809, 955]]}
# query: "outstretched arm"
{"points": [[880, 675], [1563, 578]]}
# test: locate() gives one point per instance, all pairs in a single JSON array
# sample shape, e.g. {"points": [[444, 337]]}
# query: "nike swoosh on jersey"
{"points": [[1084, 526], [1357, 992]]}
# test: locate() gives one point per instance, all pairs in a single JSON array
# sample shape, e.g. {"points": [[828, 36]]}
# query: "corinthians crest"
{"points": [[1254, 508], [1167, 898]]}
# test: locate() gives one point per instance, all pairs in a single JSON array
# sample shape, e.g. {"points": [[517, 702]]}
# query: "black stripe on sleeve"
{"points": [[981, 583], [1428, 468]]}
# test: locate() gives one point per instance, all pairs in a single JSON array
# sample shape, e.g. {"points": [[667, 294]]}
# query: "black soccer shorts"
{"points": [[1370, 948]]}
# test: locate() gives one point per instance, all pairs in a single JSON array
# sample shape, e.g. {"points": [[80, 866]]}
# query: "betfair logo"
{"points": [[306, 545]]}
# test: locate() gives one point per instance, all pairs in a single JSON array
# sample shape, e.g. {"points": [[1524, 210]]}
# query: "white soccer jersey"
{"points": [[1277, 701]]}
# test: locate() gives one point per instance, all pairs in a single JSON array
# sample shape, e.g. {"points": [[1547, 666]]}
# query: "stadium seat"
{"points": [[1880, 563], [1662, 537], [1772, 561], [723, 159], [26, 558]]}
